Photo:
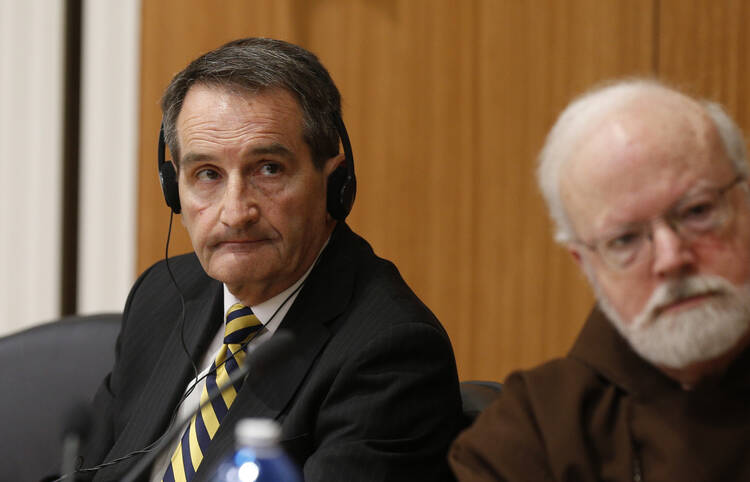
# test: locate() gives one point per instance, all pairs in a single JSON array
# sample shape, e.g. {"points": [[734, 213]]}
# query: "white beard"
{"points": [[692, 335]]}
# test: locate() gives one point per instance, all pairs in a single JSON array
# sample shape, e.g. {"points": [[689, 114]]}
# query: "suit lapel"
{"points": [[167, 382], [266, 394]]}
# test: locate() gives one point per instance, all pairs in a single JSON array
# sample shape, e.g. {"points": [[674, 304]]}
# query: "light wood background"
{"points": [[447, 103]]}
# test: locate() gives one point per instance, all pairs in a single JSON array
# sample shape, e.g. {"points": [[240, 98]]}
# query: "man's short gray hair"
{"points": [[253, 65], [583, 113]]}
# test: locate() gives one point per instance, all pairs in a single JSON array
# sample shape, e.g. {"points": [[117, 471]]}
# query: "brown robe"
{"points": [[604, 414]]}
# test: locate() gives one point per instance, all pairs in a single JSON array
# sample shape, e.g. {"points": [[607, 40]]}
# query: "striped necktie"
{"points": [[241, 326]]}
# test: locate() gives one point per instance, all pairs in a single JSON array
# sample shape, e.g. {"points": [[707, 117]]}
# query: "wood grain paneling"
{"points": [[704, 48], [447, 103]]}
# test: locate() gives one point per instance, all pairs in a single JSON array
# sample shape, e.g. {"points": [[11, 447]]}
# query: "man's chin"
{"points": [[690, 335], [697, 327], [236, 269]]}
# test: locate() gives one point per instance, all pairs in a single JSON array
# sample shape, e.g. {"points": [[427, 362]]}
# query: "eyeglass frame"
{"points": [[670, 217]]}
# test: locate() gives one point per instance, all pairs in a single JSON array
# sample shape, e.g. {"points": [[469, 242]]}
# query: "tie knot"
{"points": [[241, 324]]}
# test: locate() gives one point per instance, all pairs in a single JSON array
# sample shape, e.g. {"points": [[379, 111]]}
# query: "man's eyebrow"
{"points": [[275, 149], [272, 149], [192, 158]]}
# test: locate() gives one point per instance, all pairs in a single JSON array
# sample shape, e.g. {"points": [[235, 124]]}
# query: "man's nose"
{"points": [[239, 204], [672, 255]]}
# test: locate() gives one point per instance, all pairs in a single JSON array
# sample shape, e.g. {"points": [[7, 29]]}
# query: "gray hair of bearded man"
{"points": [[584, 112]]}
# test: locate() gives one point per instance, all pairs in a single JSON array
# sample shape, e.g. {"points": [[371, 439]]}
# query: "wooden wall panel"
{"points": [[704, 47], [447, 103]]}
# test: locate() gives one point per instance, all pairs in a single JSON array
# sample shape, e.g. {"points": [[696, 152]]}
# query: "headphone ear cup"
{"points": [[347, 194], [340, 193], [168, 180]]}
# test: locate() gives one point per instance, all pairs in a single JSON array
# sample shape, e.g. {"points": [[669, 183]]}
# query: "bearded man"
{"points": [[648, 190]]}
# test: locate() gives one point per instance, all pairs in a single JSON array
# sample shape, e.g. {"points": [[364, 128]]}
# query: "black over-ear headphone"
{"points": [[341, 185], [168, 176]]}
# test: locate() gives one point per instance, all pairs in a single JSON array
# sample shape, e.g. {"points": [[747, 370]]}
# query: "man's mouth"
{"points": [[684, 303], [239, 244]]}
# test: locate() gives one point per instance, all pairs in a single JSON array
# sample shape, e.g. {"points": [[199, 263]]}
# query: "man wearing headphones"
{"points": [[367, 389]]}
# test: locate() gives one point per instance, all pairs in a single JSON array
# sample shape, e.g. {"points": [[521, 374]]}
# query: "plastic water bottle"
{"points": [[259, 457]]}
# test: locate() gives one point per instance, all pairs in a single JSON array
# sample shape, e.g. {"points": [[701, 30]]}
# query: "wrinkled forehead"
{"points": [[207, 106], [639, 155]]}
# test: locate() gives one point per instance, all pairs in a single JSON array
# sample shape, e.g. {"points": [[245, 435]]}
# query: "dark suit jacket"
{"points": [[369, 392]]}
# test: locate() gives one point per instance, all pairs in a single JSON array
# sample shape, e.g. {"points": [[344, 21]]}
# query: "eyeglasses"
{"points": [[696, 215]]}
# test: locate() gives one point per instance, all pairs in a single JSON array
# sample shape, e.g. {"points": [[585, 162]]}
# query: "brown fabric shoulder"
{"points": [[533, 431]]}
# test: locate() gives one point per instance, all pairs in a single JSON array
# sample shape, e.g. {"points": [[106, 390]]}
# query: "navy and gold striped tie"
{"points": [[241, 326]]}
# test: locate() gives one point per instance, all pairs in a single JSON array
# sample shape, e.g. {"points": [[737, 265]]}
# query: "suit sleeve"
{"points": [[102, 437], [504, 443], [392, 411]]}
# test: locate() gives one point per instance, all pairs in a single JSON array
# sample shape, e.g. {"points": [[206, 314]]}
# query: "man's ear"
{"points": [[576, 254], [332, 163]]}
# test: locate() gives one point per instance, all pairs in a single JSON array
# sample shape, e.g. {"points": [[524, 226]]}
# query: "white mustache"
{"points": [[673, 291]]}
